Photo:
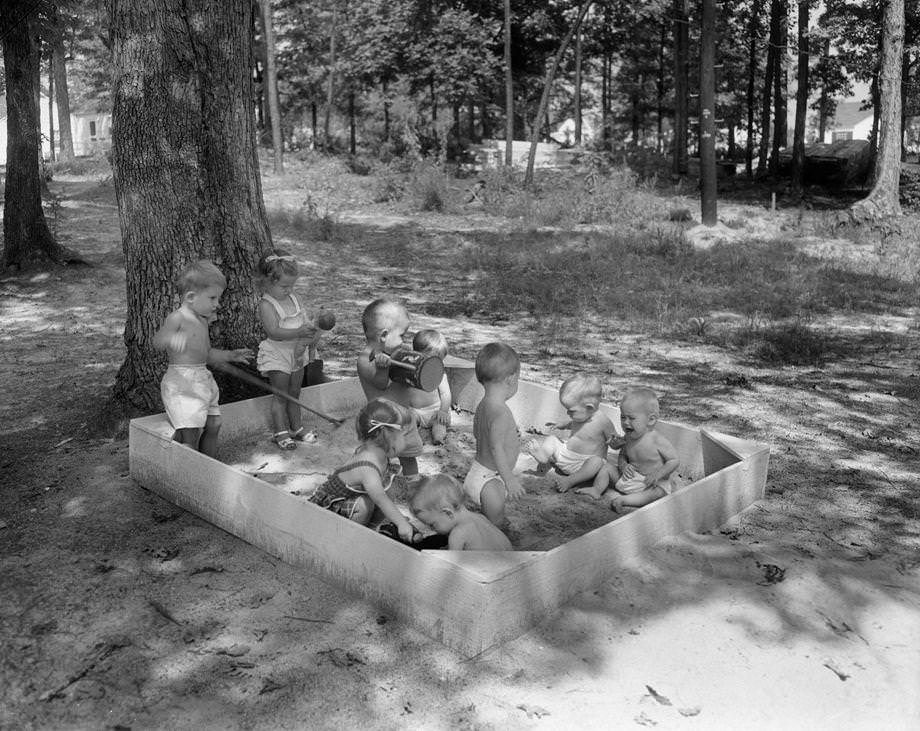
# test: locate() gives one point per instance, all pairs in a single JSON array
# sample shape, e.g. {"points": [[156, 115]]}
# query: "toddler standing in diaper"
{"points": [[491, 481], [647, 460], [281, 355]]}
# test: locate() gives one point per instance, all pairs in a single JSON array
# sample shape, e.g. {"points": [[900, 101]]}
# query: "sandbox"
{"points": [[469, 600]]}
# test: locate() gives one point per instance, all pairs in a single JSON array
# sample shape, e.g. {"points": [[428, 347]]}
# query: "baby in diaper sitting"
{"points": [[583, 456], [647, 461]]}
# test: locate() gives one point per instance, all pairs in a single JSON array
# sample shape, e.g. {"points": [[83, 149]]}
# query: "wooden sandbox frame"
{"points": [[468, 600]]}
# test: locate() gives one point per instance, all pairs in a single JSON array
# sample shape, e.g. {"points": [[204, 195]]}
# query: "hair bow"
{"points": [[375, 425]]}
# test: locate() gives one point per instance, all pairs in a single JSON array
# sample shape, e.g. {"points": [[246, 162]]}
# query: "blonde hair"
{"points": [[581, 388], [380, 314], [430, 342], [645, 396], [379, 419], [437, 491], [496, 361], [199, 275]]}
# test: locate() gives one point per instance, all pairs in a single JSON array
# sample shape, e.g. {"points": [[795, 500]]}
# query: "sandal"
{"points": [[301, 435], [283, 440]]}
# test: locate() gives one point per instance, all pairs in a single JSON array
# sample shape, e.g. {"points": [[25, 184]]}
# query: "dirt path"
{"points": [[118, 610]]}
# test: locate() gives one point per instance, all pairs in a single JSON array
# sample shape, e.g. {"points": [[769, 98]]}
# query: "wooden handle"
{"points": [[400, 364], [252, 380]]}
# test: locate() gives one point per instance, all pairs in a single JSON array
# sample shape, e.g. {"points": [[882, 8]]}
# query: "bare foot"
{"points": [[616, 504], [590, 492], [535, 449], [562, 484]]}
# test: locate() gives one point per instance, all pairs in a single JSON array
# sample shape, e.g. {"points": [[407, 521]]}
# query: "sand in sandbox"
{"points": [[542, 519]]}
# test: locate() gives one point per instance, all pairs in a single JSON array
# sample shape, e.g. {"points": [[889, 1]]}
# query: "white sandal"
{"points": [[283, 440]]}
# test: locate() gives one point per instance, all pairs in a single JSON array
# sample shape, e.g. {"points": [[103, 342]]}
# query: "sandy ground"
{"points": [[118, 610]]}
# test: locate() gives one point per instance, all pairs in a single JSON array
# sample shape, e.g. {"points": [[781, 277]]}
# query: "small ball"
{"points": [[325, 320]]}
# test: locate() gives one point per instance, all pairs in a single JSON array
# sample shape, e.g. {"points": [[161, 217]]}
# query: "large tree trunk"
{"points": [[708, 196], [509, 86], [681, 86], [27, 239], [577, 100], [780, 123], [801, 103], [51, 155], [271, 88], [753, 35], [62, 96], [769, 71], [185, 170], [330, 81], [883, 200]]}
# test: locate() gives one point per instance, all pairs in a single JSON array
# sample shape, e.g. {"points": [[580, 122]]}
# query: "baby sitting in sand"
{"points": [[647, 461], [583, 456]]}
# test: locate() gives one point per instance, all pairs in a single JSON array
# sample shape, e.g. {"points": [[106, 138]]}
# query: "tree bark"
{"points": [[185, 170], [708, 195], [883, 200], [271, 86], [27, 240], [766, 101], [330, 82], [547, 86], [51, 155], [780, 123], [509, 87], [801, 103], [681, 86], [578, 88], [62, 96], [753, 33]]}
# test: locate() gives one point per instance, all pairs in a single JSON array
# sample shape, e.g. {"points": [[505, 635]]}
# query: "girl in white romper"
{"points": [[281, 355]]}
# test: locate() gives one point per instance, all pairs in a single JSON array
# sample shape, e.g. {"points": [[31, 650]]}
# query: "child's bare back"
{"points": [[475, 532], [495, 431]]}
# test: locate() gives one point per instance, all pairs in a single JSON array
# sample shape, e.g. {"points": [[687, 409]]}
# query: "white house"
{"points": [[91, 128], [849, 123]]}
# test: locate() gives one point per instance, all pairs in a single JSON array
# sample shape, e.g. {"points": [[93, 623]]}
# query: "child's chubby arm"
{"points": [[375, 379], [670, 461], [446, 398], [370, 480], [172, 336], [270, 323], [458, 538], [500, 432]]}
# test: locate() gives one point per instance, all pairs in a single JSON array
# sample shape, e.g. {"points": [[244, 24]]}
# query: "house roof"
{"points": [[849, 114]]}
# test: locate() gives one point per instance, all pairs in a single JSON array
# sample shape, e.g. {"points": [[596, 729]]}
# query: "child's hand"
{"points": [[616, 441], [307, 332], [444, 418], [405, 531], [240, 355], [629, 472], [515, 488], [381, 359]]}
